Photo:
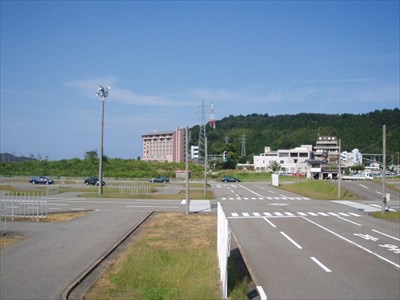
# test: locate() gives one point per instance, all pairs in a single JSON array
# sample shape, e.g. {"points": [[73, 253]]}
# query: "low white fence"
{"points": [[23, 205], [134, 190], [223, 249]]}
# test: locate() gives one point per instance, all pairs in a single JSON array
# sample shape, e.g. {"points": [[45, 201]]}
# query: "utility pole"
{"points": [[187, 170], [102, 93], [339, 170], [243, 153], [205, 166], [384, 203]]}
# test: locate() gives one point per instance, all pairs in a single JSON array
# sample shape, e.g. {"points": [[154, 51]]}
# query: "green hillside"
{"points": [[362, 131]]}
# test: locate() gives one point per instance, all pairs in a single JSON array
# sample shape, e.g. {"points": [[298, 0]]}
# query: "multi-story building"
{"points": [[166, 146], [327, 149], [292, 160]]}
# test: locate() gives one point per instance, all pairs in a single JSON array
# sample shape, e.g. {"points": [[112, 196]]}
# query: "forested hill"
{"points": [[362, 131]]}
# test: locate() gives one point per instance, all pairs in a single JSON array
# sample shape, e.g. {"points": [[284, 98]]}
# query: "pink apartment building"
{"points": [[166, 146]]}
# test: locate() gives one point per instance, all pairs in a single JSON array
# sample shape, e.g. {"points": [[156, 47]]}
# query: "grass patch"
{"points": [[318, 189], [390, 215], [172, 257]]}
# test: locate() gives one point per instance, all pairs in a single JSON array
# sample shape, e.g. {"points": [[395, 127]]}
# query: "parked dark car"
{"points": [[160, 179], [230, 179], [41, 180], [93, 181]]}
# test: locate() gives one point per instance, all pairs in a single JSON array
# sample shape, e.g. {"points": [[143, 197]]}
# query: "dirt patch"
{"points": [[10, 238]]}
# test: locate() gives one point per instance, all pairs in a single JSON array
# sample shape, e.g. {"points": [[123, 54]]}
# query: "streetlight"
{"points": [[102, 93]]}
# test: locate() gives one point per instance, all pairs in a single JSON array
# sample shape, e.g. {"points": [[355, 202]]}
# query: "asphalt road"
{"points": [[294, 247], [298, 248], [53, 255]]}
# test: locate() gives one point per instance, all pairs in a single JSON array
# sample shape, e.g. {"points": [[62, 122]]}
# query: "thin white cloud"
{"points": [[124, 96]]}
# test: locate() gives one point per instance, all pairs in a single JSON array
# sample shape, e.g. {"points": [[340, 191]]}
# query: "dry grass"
{"points": [[51, 218], [8, 239]]}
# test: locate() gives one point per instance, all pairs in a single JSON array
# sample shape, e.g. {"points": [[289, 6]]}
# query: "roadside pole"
{"points": [[339, 170], [384, 171], [205, 166], [187, 171]]}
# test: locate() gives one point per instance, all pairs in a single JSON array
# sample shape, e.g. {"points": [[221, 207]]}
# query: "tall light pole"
{"points": [[384, 200], [102, 93], [339, 170]]}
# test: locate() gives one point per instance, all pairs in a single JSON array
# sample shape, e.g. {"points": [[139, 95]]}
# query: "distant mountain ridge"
{"points": [[7, 157]]}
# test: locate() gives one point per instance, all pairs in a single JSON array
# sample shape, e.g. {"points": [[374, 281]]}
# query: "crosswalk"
{"points": [[266, 198], [288, 214]]}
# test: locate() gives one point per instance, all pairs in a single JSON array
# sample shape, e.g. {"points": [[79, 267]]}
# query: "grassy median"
{"points": [[318, 189], [173, 257]]}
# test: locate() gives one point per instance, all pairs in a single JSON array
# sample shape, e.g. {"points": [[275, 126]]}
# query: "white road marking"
{"points": [[389, 236], [349, 221], [251, 191], [291, 240], [343, 214], [355, 215], [261, 292], [269, 222], [353, 243], [321, 265], [365, 187]]}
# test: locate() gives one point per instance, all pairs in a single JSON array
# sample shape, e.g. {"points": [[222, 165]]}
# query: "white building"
{"points": [[293, 160]]}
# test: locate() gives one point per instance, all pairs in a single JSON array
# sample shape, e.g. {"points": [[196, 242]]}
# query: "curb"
{"points": [[66, 292]]}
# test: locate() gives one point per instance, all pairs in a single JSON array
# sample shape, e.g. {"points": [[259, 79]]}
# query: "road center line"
{"points": [[353, 243], [365, 187], [321, 264], [292, 241], [389, 236]]}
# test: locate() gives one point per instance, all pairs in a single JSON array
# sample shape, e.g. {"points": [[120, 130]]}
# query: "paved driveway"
{"points": [[54, 254]]}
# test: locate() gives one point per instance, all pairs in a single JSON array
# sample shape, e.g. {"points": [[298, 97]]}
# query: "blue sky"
{"points": [[163, 58]]}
